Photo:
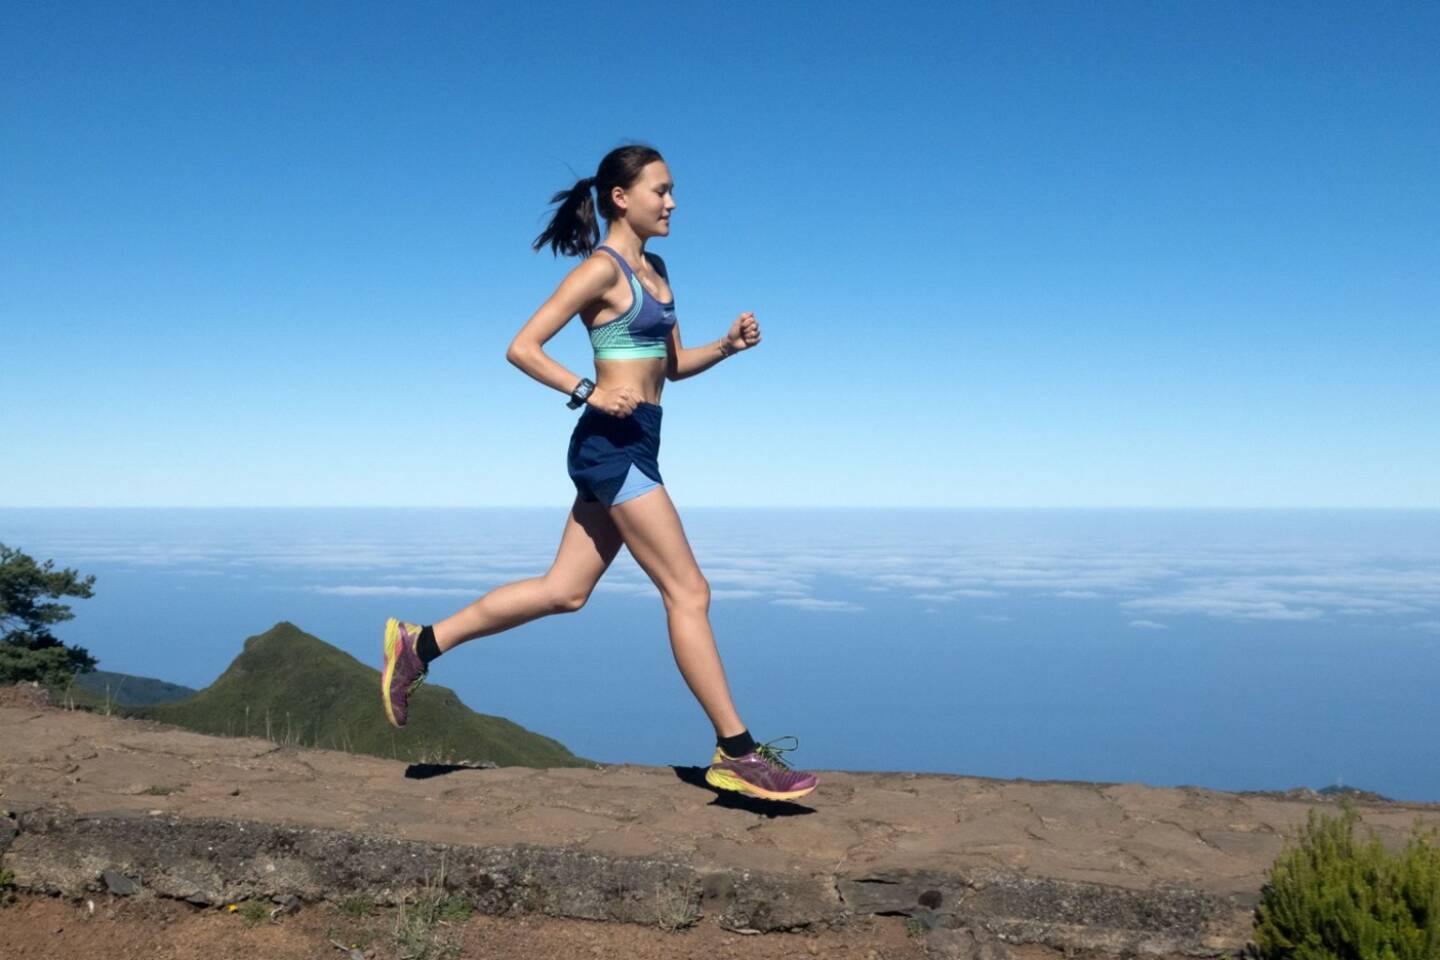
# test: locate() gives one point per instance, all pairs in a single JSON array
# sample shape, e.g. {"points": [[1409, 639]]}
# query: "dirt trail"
{"points": [[51, 928], [1121, 868]]}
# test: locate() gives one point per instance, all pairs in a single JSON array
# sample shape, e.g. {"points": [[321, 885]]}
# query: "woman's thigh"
{"points": [[650, 527], [587, 547]]}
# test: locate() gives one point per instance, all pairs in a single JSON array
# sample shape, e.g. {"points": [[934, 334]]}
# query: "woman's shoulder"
{"points": [[597, 266], [592, 277]]}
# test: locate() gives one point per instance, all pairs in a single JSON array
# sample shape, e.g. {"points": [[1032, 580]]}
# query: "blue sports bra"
{"points": [[642, 331]]}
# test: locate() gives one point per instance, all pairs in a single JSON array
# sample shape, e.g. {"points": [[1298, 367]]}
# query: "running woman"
{"points": [[623, 296]]}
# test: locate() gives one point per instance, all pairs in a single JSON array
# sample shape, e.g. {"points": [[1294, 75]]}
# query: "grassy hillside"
{"points": [[291, 687], [128, 690]]}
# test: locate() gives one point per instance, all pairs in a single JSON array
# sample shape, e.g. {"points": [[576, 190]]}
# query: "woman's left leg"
{"points": [[650, 527]]}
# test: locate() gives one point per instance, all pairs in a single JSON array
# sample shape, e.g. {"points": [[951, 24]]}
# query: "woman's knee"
{"points": [[692, 594], [565, 598]]}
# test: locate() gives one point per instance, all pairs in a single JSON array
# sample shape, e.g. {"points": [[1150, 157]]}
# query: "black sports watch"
{"points": [[582, 390]]}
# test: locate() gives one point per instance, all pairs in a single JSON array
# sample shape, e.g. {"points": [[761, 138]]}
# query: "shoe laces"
{"points": [[771, 754]]}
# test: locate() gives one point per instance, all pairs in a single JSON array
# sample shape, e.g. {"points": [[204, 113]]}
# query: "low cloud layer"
{"points": [[1155, 570]]}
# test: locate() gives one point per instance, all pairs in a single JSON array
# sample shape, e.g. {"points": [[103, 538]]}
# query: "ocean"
{"points": [[1232, 649]]}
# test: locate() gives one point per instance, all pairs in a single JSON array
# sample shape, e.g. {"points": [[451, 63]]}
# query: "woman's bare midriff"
{"points": [[646, 377]]}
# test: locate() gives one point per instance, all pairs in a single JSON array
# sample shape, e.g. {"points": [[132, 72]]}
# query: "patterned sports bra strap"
{"points": [[623, 265]]}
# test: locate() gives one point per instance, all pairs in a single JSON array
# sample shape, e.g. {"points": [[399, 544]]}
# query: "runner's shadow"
{"points": [[424, 771], [695, 776]]}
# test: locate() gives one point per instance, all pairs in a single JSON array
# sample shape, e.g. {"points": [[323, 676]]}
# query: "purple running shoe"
{"points": [[403, 670], [760, 773]]}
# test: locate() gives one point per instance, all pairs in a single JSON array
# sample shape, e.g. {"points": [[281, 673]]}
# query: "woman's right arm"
{"points": [[583, 285]]}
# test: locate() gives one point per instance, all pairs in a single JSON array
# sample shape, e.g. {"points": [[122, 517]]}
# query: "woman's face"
{"points": [[649, 201]]}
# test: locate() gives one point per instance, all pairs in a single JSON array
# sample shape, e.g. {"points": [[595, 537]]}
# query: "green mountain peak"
{"points": [[292, 687]]}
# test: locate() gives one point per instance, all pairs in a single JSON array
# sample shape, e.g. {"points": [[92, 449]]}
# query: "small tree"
{"points": [[28, 650], [1332, 898]]}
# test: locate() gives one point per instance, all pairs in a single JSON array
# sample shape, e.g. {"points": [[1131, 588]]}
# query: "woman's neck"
{"points": [[627, 244]]}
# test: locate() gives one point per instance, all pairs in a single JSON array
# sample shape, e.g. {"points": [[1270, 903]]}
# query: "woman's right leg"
{"points": [[587, 547]]}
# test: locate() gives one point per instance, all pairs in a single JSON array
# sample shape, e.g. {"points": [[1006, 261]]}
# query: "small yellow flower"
{"points": [[232, 908]]}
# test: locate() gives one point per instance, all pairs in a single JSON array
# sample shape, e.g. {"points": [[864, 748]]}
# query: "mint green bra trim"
{"points": [[612, 340], [632, 353]]}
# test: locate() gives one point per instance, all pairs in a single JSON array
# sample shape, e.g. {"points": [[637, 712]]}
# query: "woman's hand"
{"points": [[744, 332], [617, 401]]}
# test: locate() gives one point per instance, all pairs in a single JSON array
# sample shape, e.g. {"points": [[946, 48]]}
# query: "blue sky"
{"points": [[1014, 254]]}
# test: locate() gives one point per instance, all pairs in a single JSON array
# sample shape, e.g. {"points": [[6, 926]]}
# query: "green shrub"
{"points": [[358, 906], [1332, 897]]}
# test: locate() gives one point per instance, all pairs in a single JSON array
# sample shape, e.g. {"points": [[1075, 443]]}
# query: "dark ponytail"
{"points": [[574, 229]]}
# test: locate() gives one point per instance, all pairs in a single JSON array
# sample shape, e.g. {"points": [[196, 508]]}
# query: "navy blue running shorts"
{"points": [[613, 459]]}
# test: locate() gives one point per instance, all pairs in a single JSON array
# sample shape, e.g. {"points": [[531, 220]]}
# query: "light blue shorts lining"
{"points": [[635, 484]]}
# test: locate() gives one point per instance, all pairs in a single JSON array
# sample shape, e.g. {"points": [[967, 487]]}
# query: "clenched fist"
{"points": [[744, 332]]}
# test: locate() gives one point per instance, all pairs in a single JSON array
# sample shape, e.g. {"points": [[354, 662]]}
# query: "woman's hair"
{"points": [[573, 230]]}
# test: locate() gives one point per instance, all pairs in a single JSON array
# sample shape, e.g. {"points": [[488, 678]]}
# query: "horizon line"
{"points": [[714, 506]]}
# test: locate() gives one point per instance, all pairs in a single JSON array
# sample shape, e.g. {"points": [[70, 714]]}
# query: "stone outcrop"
{"points": [[95, 803]]}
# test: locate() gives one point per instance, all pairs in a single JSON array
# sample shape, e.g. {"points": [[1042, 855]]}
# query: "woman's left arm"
{"points": [[681, 362]]}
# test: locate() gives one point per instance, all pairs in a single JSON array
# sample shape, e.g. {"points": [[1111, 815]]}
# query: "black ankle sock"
{"points": [[738, 745], [426, 646]]}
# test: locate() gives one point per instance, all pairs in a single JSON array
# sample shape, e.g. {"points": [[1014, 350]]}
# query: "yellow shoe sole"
{"points": [[392, 653]]}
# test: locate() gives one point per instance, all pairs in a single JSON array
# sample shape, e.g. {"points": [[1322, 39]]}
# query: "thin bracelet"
{"points": [[723, 351]]}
